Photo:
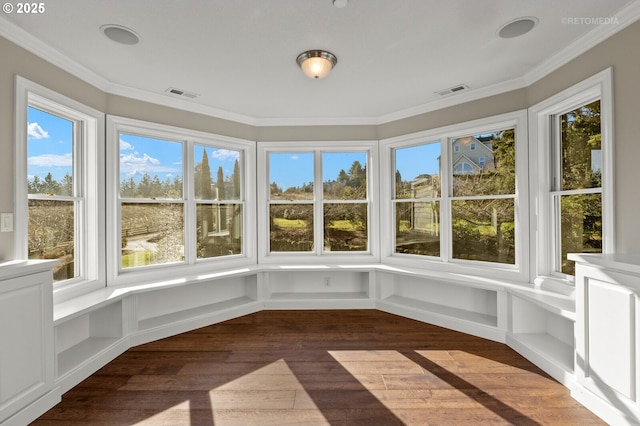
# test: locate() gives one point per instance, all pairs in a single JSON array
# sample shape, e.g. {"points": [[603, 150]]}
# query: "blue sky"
{"points": [[416, 160], [49, 148], [293, 169], [140, 155]]}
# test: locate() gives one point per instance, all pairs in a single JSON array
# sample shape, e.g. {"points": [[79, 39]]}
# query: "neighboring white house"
{"points": [[471, 155]]}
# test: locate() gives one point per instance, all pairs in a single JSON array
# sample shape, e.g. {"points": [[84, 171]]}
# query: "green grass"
{"points": [[345, 225], [289, 223], [138, 258]]}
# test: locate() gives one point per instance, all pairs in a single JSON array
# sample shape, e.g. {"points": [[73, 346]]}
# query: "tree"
{"points": [[221, 196], [50, 185], [235, 179], [66, 187], [483, 229], [205, 181]]}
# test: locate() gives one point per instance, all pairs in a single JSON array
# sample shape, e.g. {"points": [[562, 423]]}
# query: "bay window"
{"points": [[458, 196], [318, 200], [179, 199]]}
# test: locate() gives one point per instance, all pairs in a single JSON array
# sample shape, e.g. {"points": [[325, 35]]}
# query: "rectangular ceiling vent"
{"points": [[181, 93], [454, 89]]}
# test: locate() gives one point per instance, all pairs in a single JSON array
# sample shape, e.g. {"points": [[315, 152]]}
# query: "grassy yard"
{"points": [[289, 223], [137, 258]]}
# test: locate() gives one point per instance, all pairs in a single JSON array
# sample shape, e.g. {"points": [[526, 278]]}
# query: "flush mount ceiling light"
{"points": [[517, 27], [120, 34], [316, 63]]}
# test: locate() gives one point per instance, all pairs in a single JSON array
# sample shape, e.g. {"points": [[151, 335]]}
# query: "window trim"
{"points": [[445, 135], [191, 264], [318, 255], [90, 177], [598, 86]]}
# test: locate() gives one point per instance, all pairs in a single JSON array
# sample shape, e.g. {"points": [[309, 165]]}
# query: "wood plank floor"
{"points": [[319, 367]]}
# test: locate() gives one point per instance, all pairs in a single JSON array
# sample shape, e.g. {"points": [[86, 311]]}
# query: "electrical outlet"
{"points": [[327, 281], [6, 222]]}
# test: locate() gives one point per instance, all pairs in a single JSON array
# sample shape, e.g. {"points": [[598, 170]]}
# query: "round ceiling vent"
{"points": [[517, 27], [120, 34]]}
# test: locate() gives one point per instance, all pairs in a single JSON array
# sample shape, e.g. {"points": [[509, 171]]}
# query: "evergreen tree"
{"points": [[66, 188], [235, 179], [221, 196], [50, 184], [206, 183]]}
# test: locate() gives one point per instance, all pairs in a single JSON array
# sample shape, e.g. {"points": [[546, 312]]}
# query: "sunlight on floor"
{"points": [[177, 415]]}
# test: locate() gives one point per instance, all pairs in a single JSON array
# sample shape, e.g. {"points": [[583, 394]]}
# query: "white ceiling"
{"points": [[239, 55]]}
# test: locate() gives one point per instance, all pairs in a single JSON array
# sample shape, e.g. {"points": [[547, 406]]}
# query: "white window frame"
{"points": [[541, 138], [89, 171], [445, 135], [177, 271], [318, 255]]}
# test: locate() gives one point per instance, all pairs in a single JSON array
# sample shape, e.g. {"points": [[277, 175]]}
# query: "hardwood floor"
{"points": [[319, 367]]}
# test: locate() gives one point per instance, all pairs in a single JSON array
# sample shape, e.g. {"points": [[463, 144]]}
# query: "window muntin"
{"points": [[417, 199], [55, 198], [576, 195]]}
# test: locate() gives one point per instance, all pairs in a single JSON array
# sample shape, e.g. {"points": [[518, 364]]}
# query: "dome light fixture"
{"points": [[316, 63]]}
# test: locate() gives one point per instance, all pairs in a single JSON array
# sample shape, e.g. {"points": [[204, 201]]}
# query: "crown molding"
{"points": [[17, 35], [455, 99], [625, 17], [181, 104]]}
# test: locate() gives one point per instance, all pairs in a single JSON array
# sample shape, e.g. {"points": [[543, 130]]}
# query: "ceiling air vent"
{"points": [[182, 93], [454, 89]]}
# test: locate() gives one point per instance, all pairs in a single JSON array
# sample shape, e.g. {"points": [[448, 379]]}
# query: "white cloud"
{"points": [[294, 157], [131, 164], [51, 160], [125, 146], [34, 131], [225, 154]]}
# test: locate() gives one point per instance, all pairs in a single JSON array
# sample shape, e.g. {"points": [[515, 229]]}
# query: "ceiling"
{"points": [[239, 56]]}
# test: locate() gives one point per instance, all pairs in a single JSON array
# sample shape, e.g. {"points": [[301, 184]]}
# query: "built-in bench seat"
{"points": [[92, 329]]}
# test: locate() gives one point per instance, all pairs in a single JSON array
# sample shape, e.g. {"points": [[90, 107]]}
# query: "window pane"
{"points": [[150, 168], [152, 234], [291, 176], [225, 183], [51, 234], [344, 175], [219, 228], [581, 227], [581, 148], [49, 153], [345, 227], [418, 228], [291, 227], [495, 174], [418, 172], [483, 230]]}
